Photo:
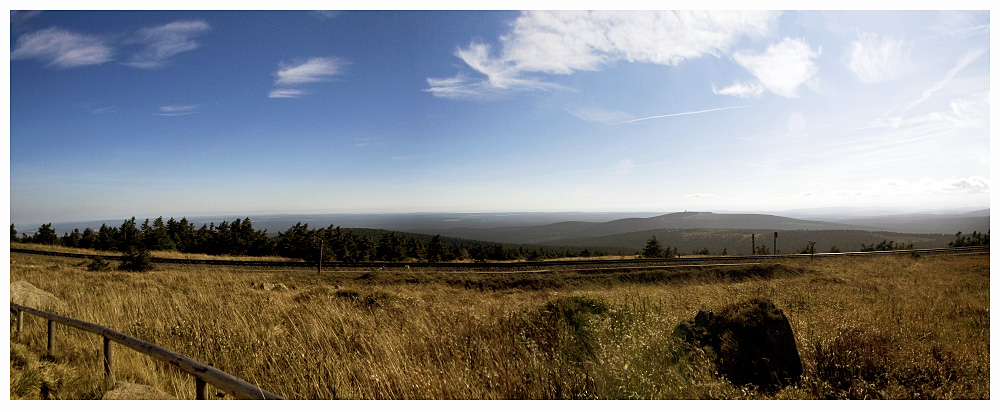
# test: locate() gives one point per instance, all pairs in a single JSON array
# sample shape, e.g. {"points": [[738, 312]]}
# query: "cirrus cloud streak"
{"points": [[316, 69], [62, 48]]}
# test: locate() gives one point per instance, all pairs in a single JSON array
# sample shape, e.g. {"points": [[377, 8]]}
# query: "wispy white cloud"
{"points": [[101, 110], [965, 60], [175, 110], [684, 113], [961, 23], [496, 85], [163, 42], [286, 93], [782, 67], [66, 49], [316, 69], [325, 14], [741, 89], [563, 42], [18, 18], [457, 87], [596, 115], [366, 142], [898, 187], [874, 59], [62, 48], [406, 157]]}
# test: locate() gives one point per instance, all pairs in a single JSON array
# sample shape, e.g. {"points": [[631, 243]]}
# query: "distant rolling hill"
{"points": [[565, 231], [736, 242]]}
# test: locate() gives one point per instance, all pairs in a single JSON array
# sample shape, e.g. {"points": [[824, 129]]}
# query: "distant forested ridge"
{"points": [[239, 238], [743, 241]]}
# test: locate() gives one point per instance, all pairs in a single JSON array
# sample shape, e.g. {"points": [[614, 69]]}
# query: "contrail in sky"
{"points": [[682, 113]]}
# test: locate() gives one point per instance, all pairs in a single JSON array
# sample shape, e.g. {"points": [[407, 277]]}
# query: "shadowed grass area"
{"points": [[873, 327]]}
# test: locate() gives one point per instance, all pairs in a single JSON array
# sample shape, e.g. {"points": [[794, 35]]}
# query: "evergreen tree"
{"points": [[459, 252], [13, 234], [976, 239], [435, 250], [535, 255], [415, 249], [161, 238], [129, 236], [364, 248], [201, 239], [653, 249], [155, 236], [181, 233], [107, 238], [88, 238], [390, 248], [352, 252], [136, 259], [71, 239], [478, 253], [46, 235], [98, 263], [298, 242], [338, 246]]}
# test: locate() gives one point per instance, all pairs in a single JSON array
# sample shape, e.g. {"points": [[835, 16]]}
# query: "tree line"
{"points": [[239, 238], [976, 239]]}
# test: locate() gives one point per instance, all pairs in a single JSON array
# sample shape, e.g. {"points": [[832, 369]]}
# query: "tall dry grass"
{"points": [[872, 327], [155, 254]]}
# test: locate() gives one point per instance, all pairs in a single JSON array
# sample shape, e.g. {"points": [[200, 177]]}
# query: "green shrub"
{"points": [[136, 259], [98, 264]]}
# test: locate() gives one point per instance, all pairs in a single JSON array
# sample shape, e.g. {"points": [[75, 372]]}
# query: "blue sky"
{"points": [[187, 113]]}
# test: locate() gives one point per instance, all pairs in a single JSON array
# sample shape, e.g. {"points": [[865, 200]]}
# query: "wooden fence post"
{"points": [[108, 369], [20, 323], [52, 337], [319, 265], [199, 389]]}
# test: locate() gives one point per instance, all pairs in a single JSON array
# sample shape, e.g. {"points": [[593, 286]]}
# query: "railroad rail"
{"points": [[571, 264], [203, 373]]}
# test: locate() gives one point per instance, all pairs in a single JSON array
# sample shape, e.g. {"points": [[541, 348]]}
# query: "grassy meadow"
{"points": [[879, 327]]}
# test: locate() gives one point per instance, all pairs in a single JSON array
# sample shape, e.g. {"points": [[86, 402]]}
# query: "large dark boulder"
{"points": [[751, 343]]}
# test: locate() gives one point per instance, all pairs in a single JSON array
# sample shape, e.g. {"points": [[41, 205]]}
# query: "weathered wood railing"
{"points": [[202, 373]]}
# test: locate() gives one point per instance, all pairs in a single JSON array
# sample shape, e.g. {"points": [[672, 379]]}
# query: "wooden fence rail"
{"points": [[203, 374]]}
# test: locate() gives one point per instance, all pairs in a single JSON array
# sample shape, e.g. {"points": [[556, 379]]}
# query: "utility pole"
{"points": [[753, 244], [775, 243]]}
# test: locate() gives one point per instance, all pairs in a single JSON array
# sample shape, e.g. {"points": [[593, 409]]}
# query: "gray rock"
{"points": [[751, 343], [26, 294]]}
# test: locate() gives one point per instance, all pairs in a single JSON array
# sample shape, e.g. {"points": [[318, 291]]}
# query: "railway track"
{"points": [[574, 265]]}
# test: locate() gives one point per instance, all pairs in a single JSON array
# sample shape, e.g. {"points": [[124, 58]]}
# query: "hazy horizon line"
{"points": [[816, 211]]}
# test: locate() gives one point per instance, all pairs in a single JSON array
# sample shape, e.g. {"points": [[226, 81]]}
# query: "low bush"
{"points": [[136, 260]]}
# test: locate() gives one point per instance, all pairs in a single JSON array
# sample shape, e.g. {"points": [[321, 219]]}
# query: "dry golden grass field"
{"points": [[874, 327]]}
